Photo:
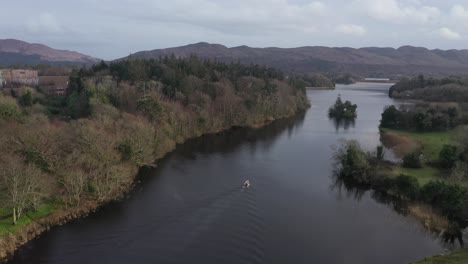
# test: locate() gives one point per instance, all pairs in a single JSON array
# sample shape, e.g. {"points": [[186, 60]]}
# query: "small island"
{"points": [[341, 110]]}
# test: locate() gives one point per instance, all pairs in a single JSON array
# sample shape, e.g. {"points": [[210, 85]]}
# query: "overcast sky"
{"points": [[111, 29]]}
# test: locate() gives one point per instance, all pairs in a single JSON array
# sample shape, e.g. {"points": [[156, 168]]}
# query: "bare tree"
{"points": [[20, 185]]}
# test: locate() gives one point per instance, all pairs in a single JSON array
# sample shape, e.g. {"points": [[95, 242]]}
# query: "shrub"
{"points": [[451, 199], [448, 156], [353, 162], [9, 109], [380, 153], [413, 160], [406, 186]]}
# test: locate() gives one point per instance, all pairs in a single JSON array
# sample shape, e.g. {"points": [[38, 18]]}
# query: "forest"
{"points": [[448, 89], [86, 148], [421, 117]]}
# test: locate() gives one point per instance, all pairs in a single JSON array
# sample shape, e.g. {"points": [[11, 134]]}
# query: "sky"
{"points": [[110, 29]]}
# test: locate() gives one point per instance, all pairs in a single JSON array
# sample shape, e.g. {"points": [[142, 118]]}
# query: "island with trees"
{"points": [[340, 110], [70, 154]]}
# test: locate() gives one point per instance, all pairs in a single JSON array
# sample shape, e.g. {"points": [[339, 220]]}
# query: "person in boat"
{"points": [[246, 184]]}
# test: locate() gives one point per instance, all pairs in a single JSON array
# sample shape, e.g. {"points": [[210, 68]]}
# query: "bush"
{"points": [[448, 156], [413, 160], [9, 109], [353, 162], [451, 199], [406, 186], [380, 153]]}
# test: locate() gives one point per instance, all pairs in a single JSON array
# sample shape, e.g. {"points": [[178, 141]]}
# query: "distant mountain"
{"points": [[365, 62], [14, 51]]}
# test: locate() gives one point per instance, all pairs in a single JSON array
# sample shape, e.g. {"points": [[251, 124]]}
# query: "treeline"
{"points": [[421, 117], [317, 80], [449, 89], [345, 79], [356, 167], [87, 147]]}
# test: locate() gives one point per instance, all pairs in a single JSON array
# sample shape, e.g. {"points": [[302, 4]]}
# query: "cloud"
{"points": [[349, 29], [447, 33], [241, 17], [399, 12], [459, 12], [44, 23]]}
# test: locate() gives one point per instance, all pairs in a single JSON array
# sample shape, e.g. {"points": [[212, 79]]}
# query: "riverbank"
{"points": [[459, 257], [56, 215], [321, 88], [438, 203]]}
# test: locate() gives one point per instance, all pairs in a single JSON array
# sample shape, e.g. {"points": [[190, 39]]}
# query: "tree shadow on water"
{"points": [[343, 123], [451, 238]]}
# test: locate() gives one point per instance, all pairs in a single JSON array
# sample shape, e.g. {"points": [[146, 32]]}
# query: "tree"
{"points": [[9, 109], [406, 186], [412, 160], [389, 117], [21, 185], [380, 153], [448, 156], [27, 98], [74, 182], [353, 162]]}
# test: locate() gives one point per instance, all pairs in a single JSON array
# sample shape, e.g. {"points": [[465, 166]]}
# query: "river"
{"points": [[191, 208]]}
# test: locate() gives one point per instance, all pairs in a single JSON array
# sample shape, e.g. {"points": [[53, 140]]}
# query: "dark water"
{"points": [[191, 208]]}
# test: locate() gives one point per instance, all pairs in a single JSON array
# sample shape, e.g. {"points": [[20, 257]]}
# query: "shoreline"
{"points": [[11, 242], [320, 88]]}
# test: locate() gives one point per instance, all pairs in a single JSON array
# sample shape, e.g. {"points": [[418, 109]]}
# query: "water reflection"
{"points": [[229, 141], [344, 123]]}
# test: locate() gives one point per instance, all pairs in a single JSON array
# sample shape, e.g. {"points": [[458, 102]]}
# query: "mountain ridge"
{"points": [[372, 61], [13, 51]]}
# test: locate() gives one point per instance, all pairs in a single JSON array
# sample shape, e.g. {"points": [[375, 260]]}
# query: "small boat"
{"points": [[246, 184]]}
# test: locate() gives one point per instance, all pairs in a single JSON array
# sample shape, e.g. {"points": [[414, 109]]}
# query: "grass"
{"points": [[460, 257], [6, 225], [431, 143], [424, 175]]}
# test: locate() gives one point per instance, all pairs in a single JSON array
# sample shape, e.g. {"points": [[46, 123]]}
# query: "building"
{"points": [[384, 80], [15, 78], [54, 85]]}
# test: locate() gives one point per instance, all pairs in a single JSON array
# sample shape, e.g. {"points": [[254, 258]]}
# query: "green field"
{"points": [[431, 142], [460, 257], [424, 175], [6, 225]]}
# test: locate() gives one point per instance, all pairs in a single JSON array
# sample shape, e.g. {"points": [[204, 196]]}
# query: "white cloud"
{"points": [[349, 29], [251, 17], [459, 12], [44, 23], [399, 12], [447, 33]]}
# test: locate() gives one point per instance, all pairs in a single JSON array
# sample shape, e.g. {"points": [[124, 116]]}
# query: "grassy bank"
{"points": [[404, 142], [5, 224], [321, 88], [460, 257], [430, 143]]}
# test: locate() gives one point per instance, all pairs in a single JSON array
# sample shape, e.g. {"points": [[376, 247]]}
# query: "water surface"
{"points": [[191, 209]]}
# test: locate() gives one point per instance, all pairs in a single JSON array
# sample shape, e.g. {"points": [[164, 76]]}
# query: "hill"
{"points": [[14, 51], [365, 62]]}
